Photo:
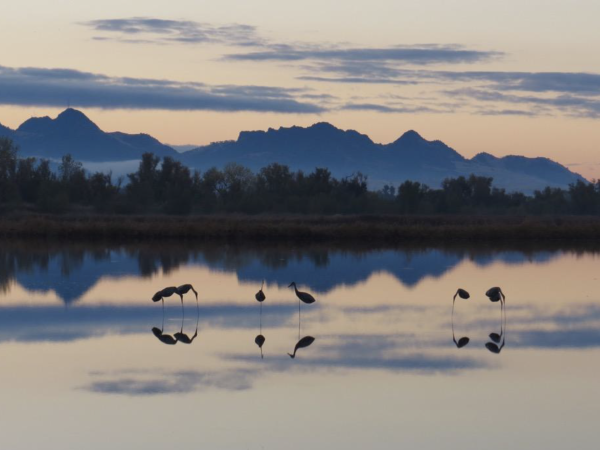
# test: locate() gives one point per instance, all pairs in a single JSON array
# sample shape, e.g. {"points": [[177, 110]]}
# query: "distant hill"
{"points": [[72, 132], [411, 157], [344, 152]]}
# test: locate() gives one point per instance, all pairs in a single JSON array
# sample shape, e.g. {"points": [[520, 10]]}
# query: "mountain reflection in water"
{"points": [[71, 270]]}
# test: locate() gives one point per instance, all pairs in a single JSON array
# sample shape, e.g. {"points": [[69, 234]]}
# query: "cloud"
{"points": [[357, 80], [540, 93], [416, 54], [557, 82], [506, 112], [56, 87], [573, 105], [394, 353], [52, 324], [570, 339], [147, 30], [150, 383], [389, 109], [375, 72]]}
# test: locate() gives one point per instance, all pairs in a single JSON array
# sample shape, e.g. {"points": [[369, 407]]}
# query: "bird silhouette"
{"points": [[499, 340], [184, 338], [302, 343], [462, 294], [164, 338], [463, 341], [260, 340], [495, 294], [185, 288], [303, 296], [167, 292], [260, 295]]}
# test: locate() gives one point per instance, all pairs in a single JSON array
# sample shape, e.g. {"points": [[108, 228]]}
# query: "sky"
{"points": [[507, 77]]}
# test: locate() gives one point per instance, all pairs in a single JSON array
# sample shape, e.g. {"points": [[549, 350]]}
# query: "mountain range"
{"points": [[344, 152]]}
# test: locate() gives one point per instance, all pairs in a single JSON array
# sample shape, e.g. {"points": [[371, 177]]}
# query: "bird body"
{"points": [[495, 294], [462, 294], [303, 296], [185, 288], [260, 295], [164, 338], [302, 343], [166, 292], [182, 337], [463, 341]]}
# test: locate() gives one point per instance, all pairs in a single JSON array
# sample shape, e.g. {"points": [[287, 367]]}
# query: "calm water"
{"points": [[81, 366]]}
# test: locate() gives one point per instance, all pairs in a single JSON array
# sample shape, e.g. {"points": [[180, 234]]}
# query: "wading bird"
{"points": [[462, 294], [304, 296], [463, 341], [184, 289], [495, 294], [302, 343], [167, 292], [260, 295], [260, 339]]}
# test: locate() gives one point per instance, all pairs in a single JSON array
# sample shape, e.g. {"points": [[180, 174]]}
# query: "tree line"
{"points": [[168, 187]]}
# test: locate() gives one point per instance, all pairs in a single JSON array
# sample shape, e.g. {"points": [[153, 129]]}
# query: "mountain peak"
{"points": [[323, 126], [410, 137], [74, 117]]}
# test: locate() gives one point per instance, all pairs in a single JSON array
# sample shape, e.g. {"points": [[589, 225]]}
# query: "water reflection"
{"points": [[71, 270], [498, 340], [463, 341], [161, 336], [260, 339], [302, 343], [184, 338]]}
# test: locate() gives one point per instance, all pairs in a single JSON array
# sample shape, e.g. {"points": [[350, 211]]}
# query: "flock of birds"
{"points": [[495, 295], [260, 297]]}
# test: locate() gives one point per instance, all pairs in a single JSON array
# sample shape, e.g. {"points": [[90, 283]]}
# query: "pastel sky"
{"points": [[508, 77]]}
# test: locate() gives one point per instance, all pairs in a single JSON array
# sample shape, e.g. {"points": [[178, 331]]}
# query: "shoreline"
{"points": [[364, 229]]}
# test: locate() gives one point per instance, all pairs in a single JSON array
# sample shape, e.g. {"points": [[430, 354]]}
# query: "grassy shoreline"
{"points": [[372, 229]]}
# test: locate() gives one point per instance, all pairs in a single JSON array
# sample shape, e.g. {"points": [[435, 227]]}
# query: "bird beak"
{"points": [[291, 285]]}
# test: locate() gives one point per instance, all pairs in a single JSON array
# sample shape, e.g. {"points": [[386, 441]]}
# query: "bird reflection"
{"points": [[463, 341], [164, 338], [260, 339], [304, 297], [302, 343], [499, 340], [184, 338]]}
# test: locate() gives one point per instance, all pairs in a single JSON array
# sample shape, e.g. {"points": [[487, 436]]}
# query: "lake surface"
{"points": [[84, 363]]}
